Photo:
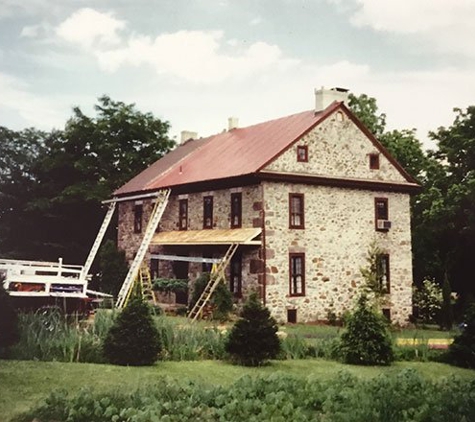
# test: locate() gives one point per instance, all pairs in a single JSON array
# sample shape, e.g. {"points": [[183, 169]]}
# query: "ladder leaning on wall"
{"points": [[217, 276], [134, 270]]}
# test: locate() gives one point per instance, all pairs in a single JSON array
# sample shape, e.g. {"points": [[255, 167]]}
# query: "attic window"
{"points": [[302, 153], [374, 161]]}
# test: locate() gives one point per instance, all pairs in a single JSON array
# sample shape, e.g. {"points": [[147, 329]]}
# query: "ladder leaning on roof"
{"points": [[126, 289], [216, 277]]}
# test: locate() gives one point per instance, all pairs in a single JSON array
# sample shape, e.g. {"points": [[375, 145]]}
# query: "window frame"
{"points": [[236, 259], [303, 148], [301, 213], [374, 161], [293, 277], [138, 218], [208, 212], [377, 217], [236, 212], [181, 203]]}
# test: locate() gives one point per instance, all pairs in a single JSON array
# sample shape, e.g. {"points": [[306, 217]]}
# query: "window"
{"points": [[138, 211], [381, 211], [302, 153], [183, 214], [236, 210], [296, 212], [383, 273], [297, 274], [374, 161], [208, 212], [235, 282]]}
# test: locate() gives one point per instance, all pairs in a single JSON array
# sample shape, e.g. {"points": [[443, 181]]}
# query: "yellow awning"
{"points": [[208, 237]]}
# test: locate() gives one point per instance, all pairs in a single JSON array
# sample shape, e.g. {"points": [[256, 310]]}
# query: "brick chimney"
{"points": [[186, 135], [325, 97], [233, 123]]}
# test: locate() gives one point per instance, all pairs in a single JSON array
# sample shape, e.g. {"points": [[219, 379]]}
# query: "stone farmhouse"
{"points": [[304, 196]]}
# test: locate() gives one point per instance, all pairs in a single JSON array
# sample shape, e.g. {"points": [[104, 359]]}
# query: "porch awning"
{"points": [[208, 237]]}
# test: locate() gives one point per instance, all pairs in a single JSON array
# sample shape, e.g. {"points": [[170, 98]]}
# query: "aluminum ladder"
{"points": [[216, 277], [98, 241], [158, 210]]}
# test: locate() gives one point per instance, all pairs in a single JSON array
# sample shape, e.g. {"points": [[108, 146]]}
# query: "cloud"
{"points": [[91, 29], [195, 56], [444, 26]]}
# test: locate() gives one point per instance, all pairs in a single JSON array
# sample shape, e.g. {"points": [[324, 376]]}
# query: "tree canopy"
{"points": [[52, 184]]}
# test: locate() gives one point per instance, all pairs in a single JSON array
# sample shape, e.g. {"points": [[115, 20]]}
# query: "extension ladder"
{"points": [[217, 276], [158, 210], [143, 282], [98, 241]]}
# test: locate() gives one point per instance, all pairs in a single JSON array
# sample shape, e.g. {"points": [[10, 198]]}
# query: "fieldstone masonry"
{"points": [[339, 227]]}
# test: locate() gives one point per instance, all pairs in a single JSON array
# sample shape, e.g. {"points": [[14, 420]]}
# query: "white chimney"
{"points": [[233, 123], [186, 135], [325, 97]]}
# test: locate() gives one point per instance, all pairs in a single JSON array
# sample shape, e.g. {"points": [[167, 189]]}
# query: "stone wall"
{"points": [[339, 228]]}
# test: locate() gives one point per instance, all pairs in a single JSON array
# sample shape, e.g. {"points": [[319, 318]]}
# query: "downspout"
{"points": [[264, 255]]}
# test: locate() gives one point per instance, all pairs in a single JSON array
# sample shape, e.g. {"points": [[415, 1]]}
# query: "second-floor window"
{"points": [[183, 214], [208, 212], [236, 210], [297, 274], [296, 211], [138, 211]]}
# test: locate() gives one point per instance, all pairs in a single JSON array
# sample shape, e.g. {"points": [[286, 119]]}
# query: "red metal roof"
{"points": [[237, 152]]}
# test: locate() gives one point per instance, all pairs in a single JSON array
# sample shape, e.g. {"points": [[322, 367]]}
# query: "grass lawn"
{"points": [[23, 383]]}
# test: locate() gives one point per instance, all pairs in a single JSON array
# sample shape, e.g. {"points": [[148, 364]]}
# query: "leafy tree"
{"points": [[133, 339], [446, 313], [366, 109], [374, 273], [253, 339], [366, 340], [427, 299], [112, 268], [462, 350], [9, 333]]}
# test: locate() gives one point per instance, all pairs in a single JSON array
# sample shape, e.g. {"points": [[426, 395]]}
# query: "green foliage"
{"points": [[373, 273], [446, 312], [400, 397], [253, 339], [462, 350], [113, 268], [9, 333], [221, 300], [134, 338], [366, 340], [428, 301], [51, 336], [366, 109], [170, 285]]}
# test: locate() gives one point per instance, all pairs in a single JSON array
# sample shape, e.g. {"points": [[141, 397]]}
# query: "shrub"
{"points": [[367, 340], [134, 338], [462, 350], [221, 300], [9, 334], [428, 301], [253, 339]]}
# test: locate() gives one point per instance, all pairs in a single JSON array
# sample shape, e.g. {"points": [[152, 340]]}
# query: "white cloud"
{"points": [[38, 111], [443, 25], [91, 29]]}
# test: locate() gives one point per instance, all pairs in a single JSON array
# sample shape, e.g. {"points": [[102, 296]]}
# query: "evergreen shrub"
{"points": [[253, 339], [9, 333], [462, 351], [133, 339], [366, 340]]}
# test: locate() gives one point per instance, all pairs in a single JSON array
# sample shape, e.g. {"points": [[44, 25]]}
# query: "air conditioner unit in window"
{"points": [[383, 224]]}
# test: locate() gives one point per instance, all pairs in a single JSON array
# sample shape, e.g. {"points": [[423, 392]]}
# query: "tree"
{"points": [[366, 109], [446, 313], [221, 300], [427, 299], [253, 339], [462, 350], [133, 339], [366, 340]]}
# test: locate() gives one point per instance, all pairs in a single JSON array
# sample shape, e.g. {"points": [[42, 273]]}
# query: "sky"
{"points": [[195, 63]]}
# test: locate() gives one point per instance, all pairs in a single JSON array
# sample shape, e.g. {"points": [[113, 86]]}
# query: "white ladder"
{"points": [[216, 277], [98, 241], [160, 205]]}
